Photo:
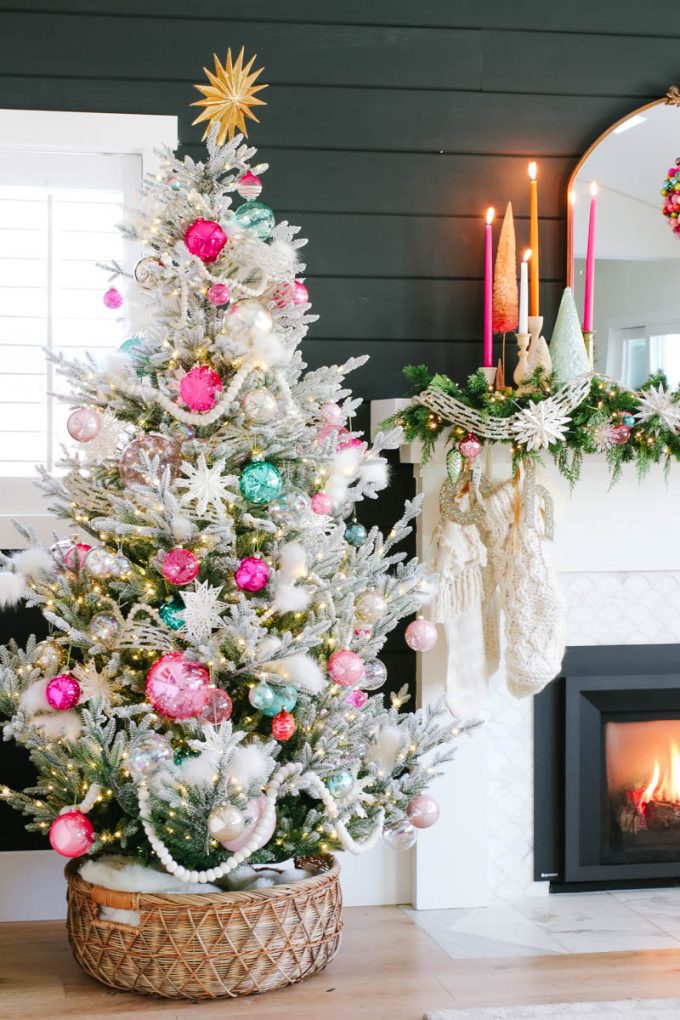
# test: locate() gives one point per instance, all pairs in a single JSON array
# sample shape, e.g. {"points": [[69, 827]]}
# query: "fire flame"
{"points": [[663, 786]]}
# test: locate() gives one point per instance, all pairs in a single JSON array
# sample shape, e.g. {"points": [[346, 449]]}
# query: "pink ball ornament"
{"points": [[421, 635], [249, 186], [74, 558], [71, 834], [83, 424], [254, 812], [619, 434], [205, 239], [180, 566], [422, 811], [332, 413], [328, 430], [470, 447], [199, 388], [346, 668], [63, 692], [357, 699], [300, 293], [283, 295], [252, 574], [217, 706], [347, 442], [219, 294], [113, 298], [283, 726], [321, 503], [175, 686]]}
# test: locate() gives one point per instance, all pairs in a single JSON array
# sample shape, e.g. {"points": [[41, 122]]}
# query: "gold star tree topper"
{"points": [[229, 97]]}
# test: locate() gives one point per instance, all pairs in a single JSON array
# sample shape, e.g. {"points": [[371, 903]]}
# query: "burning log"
{"points": [[662, 814], [630, 819]]}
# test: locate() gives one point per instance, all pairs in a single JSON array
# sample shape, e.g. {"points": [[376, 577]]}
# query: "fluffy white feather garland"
{"points": [[292, 567], [12, 588], [33, 562], [342, 470], [387, 746], [59, 724], [250, 764], [33, 699], [300, 670], [375, 472]]}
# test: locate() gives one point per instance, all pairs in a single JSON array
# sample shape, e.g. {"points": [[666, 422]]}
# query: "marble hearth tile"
{"points": [[498, 930], [615, 941], [660, 906], [461, 946], [572, 914]]}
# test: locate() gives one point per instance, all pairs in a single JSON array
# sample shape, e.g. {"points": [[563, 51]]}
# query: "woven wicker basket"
{"points": [[208, 945]]}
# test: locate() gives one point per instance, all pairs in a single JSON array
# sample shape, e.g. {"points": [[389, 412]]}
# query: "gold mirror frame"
{"points": [[672, 98]]}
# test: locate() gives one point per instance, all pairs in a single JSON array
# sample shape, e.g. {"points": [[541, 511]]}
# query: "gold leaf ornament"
{"points": [[229, 97]]}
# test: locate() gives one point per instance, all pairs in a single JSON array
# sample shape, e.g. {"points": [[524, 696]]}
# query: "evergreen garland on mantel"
{"points": [[641, 426]]}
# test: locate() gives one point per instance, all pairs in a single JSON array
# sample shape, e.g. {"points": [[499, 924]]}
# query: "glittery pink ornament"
{"points": [[180, 566], [199, 388], [83, 424], [74, 558], [422, 811], [346, 668], [219, 294], [252, 574], [71, 834], [346, 442], [470, 447], [321, 503], [332, 413], [421, 635], [113, 298], [63, 692], [283, 726], [217, 706], [357, 699], [619, 434], [254, 812], [205, 239], [283, 295], [300, 293], [175, 686], [249, 186]]}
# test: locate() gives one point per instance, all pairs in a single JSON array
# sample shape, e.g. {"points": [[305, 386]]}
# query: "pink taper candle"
{"points": [[488, 289], [589, 293]]}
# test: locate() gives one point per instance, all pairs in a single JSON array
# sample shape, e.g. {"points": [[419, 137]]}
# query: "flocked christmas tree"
{"points": [[207, 693]]}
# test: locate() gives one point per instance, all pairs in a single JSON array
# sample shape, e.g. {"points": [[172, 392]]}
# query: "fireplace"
{"points": [[607, 769]]}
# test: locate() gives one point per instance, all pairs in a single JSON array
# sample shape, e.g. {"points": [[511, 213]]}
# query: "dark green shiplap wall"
{"points": [[390, 127]]}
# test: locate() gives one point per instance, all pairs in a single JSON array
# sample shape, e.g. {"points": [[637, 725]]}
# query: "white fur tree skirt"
{"points": [[630, 1009]]}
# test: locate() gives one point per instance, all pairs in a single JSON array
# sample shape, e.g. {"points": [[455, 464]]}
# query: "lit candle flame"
{"points": [[490, 213], [527, 255], [533, 168], [593, 189]]}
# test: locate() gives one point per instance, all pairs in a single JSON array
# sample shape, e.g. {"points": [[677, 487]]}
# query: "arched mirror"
{"points": [[636, 315]]}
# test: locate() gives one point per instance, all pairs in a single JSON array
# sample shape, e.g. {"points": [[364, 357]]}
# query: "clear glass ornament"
{"points": [[100, 563], [249, 317], [370, 607], [340, 784], [104, 629], [259, 406], [147, 755], [289, 509], [226, 822], [400, 836], [375, 675]]}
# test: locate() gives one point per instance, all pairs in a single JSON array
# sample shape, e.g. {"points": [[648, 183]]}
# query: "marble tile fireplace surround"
{"points": [[618, 558]]}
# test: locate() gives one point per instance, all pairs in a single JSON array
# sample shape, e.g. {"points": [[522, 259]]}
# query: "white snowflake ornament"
{"points": [[540, 425], [202, 614], [657, 402], [108, 442], [207, 486]]}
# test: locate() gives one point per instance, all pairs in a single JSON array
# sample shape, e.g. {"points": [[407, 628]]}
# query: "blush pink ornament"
{"points": [[421, 635], [219, 294], [217, 706], [205, 239], [470, 447], [346, 668], [71, 834], [74, 558], [175, 686], [283, 295], [83, 424], [328, 430], [332, 413], [63, 692], [252, 574], [249, 186], [619, 434], [254, 811], [321, 503], [422, 811], [180, 566], [113, 298], [199, 388], [357, 699], [300, 293]]}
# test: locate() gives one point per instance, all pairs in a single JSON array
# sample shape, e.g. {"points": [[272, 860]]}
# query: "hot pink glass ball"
{"points": [[254, 811], [321, 503], [251, 574], [175, 686], [346, 668], [219, 294], [74, 558], [113, 298], [249, 186], [300, 293], [83, 424], [422, 811], [217, 706], [71, 834], [349, 441], [357, 699], [205, 239], [180, 566], [332, 413], [283, 726], [199, 388], [63, 692], [470, 447], [421, 635]]}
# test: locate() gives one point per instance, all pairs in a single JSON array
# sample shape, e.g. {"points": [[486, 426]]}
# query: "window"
{"points": [[635, 352], [64, 182]]}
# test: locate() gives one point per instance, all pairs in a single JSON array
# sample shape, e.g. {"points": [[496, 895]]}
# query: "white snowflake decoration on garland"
{"points": [[657, 402], [207, 486], [540, 425], [202, 614]]}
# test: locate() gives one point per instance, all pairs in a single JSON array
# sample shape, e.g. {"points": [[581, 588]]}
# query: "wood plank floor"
{"points": [[387, 969]]}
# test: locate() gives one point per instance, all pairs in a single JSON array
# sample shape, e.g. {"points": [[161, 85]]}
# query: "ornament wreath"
{"points": [[593, 414]]}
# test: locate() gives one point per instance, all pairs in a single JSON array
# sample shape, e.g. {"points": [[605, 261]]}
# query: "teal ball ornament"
{"points": [[356, 534], [256, 216], [628, 419], [172, 613], [132, 348], [265, 699], [339, 784], [287, 697], [260, 482]]}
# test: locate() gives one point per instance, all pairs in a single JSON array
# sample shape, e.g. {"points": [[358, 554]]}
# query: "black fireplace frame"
{"points": [[598, 684]]}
